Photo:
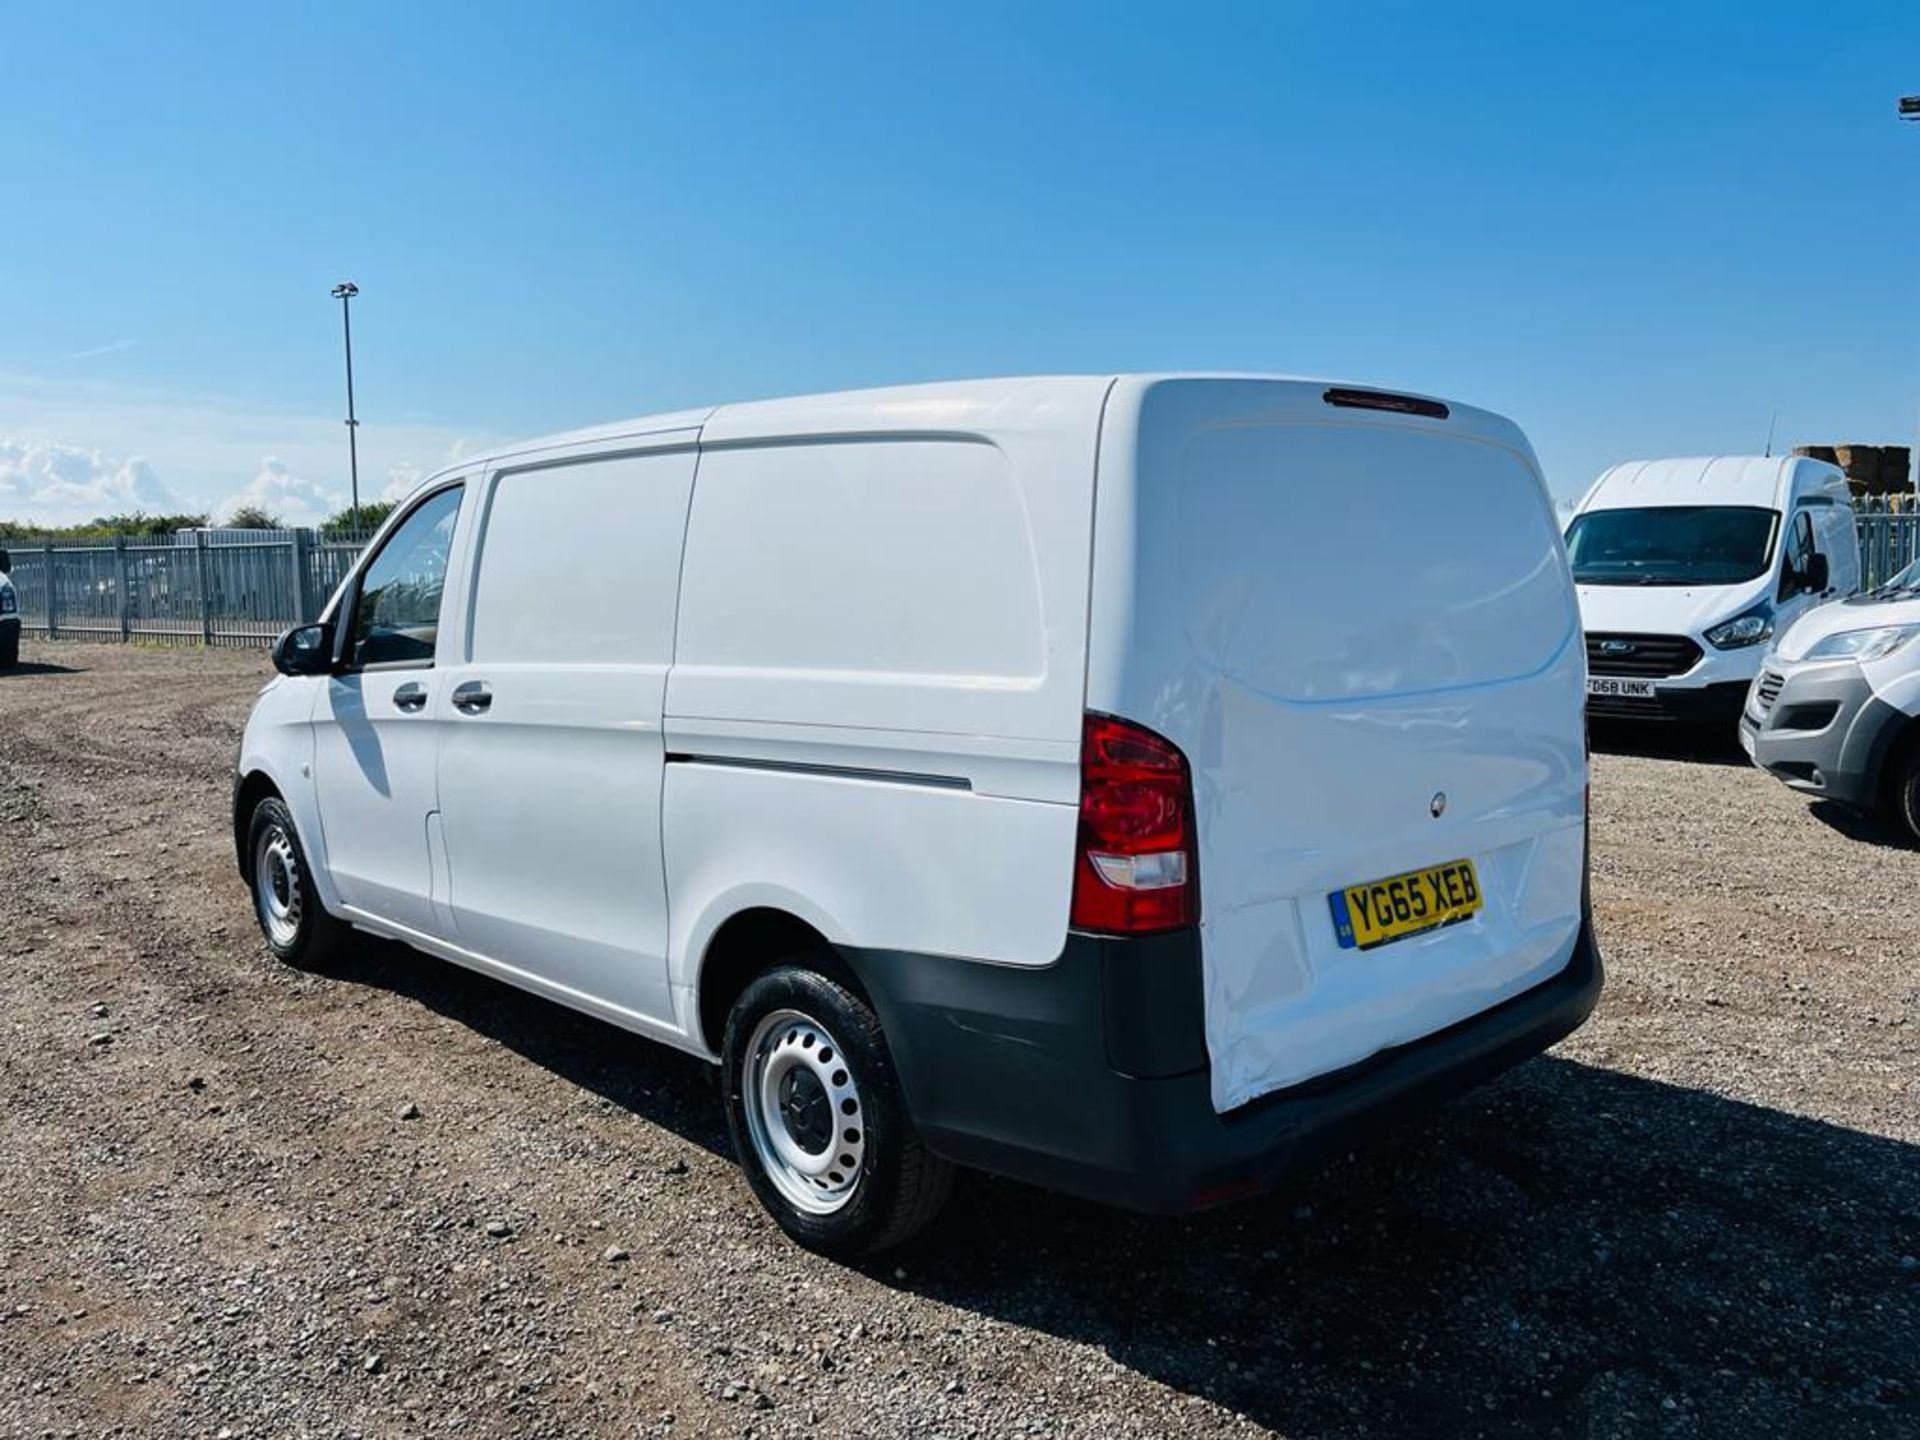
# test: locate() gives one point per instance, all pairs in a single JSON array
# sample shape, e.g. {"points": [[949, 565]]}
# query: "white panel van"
{"points": [[1835, 710], [1688, 568], [1134, 785]]}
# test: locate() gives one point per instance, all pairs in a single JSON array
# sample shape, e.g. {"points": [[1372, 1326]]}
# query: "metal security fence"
{"points": [[1889, 537], [243, 587], [211, 587]]}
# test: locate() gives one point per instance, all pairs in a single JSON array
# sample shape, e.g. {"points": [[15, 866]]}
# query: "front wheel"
{"points": [[814, 1106], [1902, 796], [285, 903]]}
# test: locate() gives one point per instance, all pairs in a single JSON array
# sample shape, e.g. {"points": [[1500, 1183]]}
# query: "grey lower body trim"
{"points": [[1090, 1075]]}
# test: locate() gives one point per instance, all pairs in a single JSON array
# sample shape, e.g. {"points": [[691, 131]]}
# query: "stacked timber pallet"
{"points": [[1871, 469]]}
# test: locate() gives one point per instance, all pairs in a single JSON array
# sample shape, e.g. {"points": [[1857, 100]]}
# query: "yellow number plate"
{"points": [[1401, 905]]}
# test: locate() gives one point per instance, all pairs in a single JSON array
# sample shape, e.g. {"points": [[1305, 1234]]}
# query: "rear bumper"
{"points": [[1090, 1076]]}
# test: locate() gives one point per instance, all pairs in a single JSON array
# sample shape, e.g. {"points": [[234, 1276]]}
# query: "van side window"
{"points": [[1834, 530], [1800, 550], [396, 612]]}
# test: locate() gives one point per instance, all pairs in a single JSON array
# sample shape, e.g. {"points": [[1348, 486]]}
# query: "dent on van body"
{"points": [[1363, 636]]}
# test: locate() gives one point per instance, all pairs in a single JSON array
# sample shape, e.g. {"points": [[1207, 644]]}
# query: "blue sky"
{"points": [[1636, 229]]}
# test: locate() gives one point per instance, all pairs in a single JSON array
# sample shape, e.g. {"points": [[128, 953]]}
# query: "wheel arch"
{"points": [[248, 791], [746, 944], [256, 781], [1897, 743]]}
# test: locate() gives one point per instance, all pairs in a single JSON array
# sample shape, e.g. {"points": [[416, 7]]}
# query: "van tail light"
{"points": [[1135, 869]]}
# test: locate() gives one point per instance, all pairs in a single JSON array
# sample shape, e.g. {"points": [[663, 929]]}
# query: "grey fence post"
{"points": [[53, 590], [126, 589], [206, 596], [303, 575]]}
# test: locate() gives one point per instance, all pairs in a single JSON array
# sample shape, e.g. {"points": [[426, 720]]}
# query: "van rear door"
{"points": [[1359, 626]]}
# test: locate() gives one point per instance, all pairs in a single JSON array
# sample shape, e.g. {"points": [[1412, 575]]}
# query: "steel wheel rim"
{"points": [[794, 1075], [276, 885]]}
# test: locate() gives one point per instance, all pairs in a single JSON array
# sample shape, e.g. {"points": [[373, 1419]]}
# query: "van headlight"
{"points": [[1749, 627], [1873, 644]]}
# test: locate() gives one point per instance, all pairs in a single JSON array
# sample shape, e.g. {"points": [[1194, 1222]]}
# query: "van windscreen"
{"points": [[1671, 545]]}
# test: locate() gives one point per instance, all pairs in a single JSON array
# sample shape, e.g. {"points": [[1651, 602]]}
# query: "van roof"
{"points": [[1763, 480], [951, 405]]}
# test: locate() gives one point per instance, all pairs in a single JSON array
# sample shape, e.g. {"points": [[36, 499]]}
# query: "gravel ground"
{"points": [[398, 1199]]}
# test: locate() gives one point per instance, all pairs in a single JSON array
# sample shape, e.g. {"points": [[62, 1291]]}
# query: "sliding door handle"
{"points": [[473, 698]]}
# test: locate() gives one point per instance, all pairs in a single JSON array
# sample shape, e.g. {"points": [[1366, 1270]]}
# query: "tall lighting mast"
{"points": [[344, 293], [1910, 110]]}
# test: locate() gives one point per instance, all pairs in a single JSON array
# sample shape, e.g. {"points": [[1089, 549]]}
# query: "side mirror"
{"points": [[1816, 576], [6, 563], [304, 650]]}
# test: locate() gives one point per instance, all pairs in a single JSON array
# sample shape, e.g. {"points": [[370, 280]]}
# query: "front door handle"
{"points": [[472, 698], [410, 697]]}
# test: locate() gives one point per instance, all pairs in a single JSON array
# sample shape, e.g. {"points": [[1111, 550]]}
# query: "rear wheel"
{"points": [[817, 1117], [296, 928]]}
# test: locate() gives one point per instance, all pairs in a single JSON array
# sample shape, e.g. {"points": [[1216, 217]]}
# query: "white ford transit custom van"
{"points": [[1687, 568], [1131, 785]]}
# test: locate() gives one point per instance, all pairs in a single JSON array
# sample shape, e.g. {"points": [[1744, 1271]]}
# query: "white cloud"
{"points": [[210, 446], [403, 477], [400, 481], [112, 347], [53, 484], [294, 499]]}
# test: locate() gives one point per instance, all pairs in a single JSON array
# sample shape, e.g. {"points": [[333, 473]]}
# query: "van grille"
{"points": [[1769, 690], [1641, 655]]}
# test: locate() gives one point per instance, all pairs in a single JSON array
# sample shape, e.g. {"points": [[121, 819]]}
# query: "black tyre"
{"points": [[1903, 793], [817, 1117], [296, 928], [9, 646]]}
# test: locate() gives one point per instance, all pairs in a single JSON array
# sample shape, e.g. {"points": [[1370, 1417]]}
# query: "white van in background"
{"points": [[1835, 712], [1687, 568], [1128, 784]]}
